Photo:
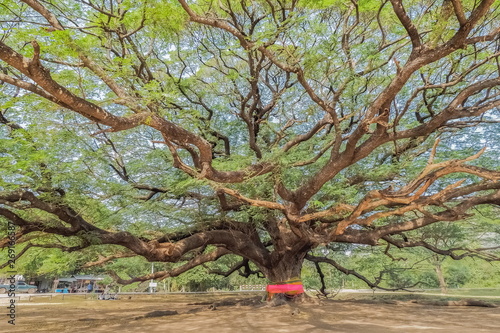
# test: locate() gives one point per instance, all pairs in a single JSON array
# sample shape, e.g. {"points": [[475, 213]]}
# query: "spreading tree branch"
{"points": [[375, 284]]}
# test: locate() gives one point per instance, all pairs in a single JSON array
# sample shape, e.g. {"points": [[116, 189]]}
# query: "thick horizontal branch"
{"points": [[252, 202], [33, 69], [412, 197], [31, 87], [454, 213], [239, 238], [197, 261]]}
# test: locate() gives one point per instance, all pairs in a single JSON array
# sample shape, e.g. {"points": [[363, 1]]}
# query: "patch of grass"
{"points": [[491, 295], [473, 292]]}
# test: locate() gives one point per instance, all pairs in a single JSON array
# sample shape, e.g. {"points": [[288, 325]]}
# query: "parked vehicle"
{"points": [[20, 287]]}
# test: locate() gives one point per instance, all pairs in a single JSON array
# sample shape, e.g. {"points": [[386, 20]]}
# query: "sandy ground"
{"points": [[74, 314]]}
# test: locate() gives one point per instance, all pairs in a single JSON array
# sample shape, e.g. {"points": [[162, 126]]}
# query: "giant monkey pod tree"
{"points": [[257, 130]]}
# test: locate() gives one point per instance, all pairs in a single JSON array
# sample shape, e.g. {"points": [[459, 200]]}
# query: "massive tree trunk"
{"points": [[284, 275], [286, 268]]}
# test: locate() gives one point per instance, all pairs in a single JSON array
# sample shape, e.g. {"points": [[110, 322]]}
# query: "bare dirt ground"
{"points": [[195, 313]]}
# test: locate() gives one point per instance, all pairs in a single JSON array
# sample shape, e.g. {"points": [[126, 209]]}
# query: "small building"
{"points": [[79, 284]]}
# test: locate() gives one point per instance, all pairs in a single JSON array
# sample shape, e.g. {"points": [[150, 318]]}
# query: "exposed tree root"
{"points": [[158, 313], [252, 301], [464, 302], [282, 299]]}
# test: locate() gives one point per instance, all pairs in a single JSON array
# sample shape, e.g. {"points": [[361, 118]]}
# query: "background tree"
{"points": [[183, 132]]}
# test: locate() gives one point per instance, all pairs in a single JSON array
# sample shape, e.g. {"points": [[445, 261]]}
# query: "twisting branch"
{"points": [[346, 271], [243, 268], [407, 24], [33, 69], [102, 260], [44, 246], [321, 278], [242, 242], [17, 256], [49, 16], [411, 197], [454, 253], [459, 11], [197, 261], [231, 270], [380, 108], [252, 202], [173, 133]]}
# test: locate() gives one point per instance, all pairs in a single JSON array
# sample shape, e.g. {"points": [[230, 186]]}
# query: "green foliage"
{"points": [[201, 79], [321, 3]]}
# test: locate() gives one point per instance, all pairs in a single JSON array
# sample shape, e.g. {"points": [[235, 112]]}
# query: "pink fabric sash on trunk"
{"points": [[283, 288]]}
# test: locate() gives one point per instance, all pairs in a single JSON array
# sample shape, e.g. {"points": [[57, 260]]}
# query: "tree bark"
{"points": [[285, 269], [283, 272]]}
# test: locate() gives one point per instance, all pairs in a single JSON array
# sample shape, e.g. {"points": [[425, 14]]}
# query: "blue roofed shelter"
{"points": [[79, 284]]}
